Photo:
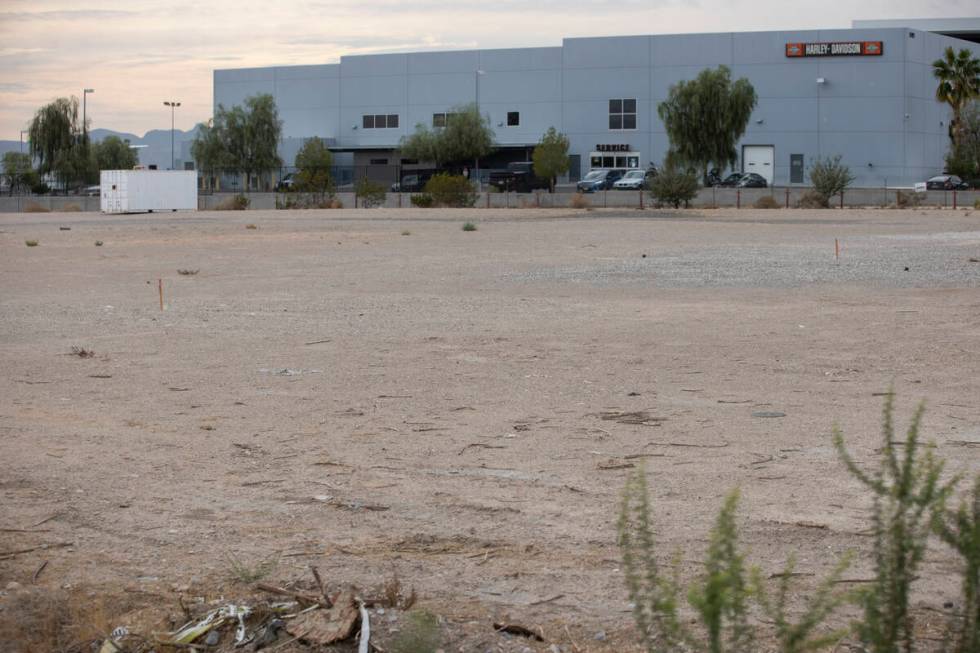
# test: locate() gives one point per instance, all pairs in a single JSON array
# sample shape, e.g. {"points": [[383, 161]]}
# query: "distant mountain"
{"points": [[155, 150]]}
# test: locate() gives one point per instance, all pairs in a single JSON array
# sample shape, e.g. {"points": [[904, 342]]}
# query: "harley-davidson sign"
{"points": [[838, 49]]}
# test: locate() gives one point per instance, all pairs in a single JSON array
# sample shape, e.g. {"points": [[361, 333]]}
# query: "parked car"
{"points": [[286, 184], [601, 179], [752, 180], [731, 181], [634, 180], [946, 182], [519, 176], [413, 182], [92, 191]]}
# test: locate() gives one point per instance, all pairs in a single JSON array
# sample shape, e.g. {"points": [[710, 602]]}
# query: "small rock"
{"points": [[949, 605], [554, 648], [380, 610], [600, 636], [13, 586], [213, 638]]}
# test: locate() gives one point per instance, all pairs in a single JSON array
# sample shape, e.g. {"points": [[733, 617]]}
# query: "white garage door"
{"points": [[759, 159]]}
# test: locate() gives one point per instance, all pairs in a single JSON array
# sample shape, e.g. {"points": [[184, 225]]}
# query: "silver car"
{"points": [[632, 180]]}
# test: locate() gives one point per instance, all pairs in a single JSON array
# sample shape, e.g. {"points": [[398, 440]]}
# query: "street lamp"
{"points": [[22, 132], [85, 93], [173, 104], [477, 75]]}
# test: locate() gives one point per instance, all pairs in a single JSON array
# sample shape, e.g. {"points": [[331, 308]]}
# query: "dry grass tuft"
{"points": [[82, 352], [250, 226], [31, 243], [71, 208], [766, 202], [36, 620], [34, 207], [187, 273], [580, 201]]}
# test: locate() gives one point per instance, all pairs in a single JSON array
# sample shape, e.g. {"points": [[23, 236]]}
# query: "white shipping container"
{"points": [[136, 191]]}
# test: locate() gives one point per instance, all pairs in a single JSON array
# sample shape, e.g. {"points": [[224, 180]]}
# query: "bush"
{"points": [[419, 633], [673, 187], [370, 193], [976, 203], [961, 531], [811, 199], [766, 202], [34, 207], [234, 203], [31, 243], [469, 226], [454, 191], [422, 201], [908, 200], [830, 177], [580, 201]]}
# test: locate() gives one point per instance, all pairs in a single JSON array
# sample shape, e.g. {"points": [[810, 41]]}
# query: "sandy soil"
{"points": [[380, 392]]}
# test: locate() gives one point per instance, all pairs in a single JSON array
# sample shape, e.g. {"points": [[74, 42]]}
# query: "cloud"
{"points": [[64, 15]]}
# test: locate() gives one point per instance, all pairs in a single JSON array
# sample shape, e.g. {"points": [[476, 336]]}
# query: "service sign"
{"points": [[612, 147], [838, 49]]}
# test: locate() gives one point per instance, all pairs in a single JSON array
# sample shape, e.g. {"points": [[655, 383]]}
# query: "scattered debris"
{"points": [[768, 413], [250, 226], [612, 463], [187, 273], [640, 417], [317, 342], [82, 352], [100, 376], [38, 572], [98, 243], [321, 626], [64, 228], [481, 446]]}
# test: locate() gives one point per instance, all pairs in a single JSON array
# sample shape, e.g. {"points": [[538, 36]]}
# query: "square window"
{"points": [[392, 121], [595, 162], [513, 118], [629, 121], [608, 161], [368, 122], [438, 120], [615, 121], [379, 121], [629, 106], [615, 106]]}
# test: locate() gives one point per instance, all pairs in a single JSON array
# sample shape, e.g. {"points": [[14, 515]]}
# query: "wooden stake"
{"points": [[837, 250], [160, 286]]}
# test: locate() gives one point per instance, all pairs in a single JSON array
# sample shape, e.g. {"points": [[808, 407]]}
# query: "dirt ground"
{"points": [[380, 392]]}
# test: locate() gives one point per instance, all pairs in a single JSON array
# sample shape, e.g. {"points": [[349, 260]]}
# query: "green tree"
{"points": [[249, 136], [959, 83], [706, 117], [18, 172], [964, 158], [208, 150], [58, 142], [830, 177], [113, 153], [551, 157], [465, 138], [313, 175]]}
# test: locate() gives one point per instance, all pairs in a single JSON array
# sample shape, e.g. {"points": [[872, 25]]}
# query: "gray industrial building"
{"points": [[865, 93]]}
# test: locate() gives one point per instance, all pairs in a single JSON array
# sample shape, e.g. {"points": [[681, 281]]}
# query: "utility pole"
{"points": [[85, 93], [477, 76], [173, 104]]}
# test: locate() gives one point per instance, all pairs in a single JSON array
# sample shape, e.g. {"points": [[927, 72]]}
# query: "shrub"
{"points": [[34, 207], [469, 226], [98, 243], [250, 226], [31, 243], [370, 193], [976, 203], [422, 201], [766, 202], [961, 531], [580, 201], [406, 233], [830, 177], [234, 203], [453, 191], [672, 186], [335, 203], [906, 488], [811, 199], [419, 633], [907, 200]]}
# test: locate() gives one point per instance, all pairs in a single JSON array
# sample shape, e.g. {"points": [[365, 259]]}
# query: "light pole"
{"points": [[22, 132], [173, 104], [85, 93], [477, 75]]}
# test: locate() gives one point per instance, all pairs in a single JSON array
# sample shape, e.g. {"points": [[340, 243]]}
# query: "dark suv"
{"points": [[601, 179]]}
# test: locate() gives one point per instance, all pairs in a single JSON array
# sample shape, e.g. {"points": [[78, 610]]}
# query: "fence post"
{"points": [[355, 199], [641, 200], [954, 198], [787, 197], [842, 199], [399, 200], [738, 198], [537, 199], [605, 199], [488, 198]]}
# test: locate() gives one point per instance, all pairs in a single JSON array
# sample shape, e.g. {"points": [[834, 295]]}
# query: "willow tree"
{"points": [[242, 139], [705, 117], [551, 157], [959, 83], [58, 142], [209, 153]]}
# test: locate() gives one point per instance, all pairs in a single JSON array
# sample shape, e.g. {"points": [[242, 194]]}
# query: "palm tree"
{"points": [[959, 83]]}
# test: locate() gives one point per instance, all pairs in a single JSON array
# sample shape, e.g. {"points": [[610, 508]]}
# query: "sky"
{"points": [[137, 54]]}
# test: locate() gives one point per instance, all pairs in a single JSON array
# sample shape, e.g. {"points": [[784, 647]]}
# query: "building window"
{"points": [[380, 121], [513, 118], [379, 162], [441, 119], [622, 114], [410, 162]]}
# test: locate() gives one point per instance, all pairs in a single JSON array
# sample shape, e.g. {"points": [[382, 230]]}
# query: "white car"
{"points": [[632, 180]]}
